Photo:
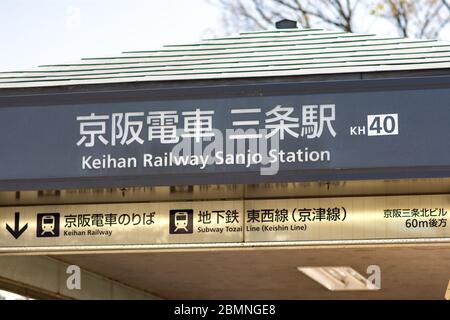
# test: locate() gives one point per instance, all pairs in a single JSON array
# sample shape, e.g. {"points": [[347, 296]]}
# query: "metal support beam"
{"points": [[42, 277]]}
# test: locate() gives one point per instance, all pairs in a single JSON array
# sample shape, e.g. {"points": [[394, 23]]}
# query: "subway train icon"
{"points": [[181, 221], [47, 225]]}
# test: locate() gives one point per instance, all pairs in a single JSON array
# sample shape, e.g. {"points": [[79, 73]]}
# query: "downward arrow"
{"points": [[16, 233]]}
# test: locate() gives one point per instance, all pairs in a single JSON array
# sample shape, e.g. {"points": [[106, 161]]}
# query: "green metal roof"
{"points": [[286, 52]]}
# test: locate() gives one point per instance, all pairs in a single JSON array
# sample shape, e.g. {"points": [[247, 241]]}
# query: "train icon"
{"points": [[181, 221], [47, 225]]}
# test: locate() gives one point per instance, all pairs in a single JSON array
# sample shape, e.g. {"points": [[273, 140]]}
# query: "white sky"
{"points": [[35, 32], [11, 296]]}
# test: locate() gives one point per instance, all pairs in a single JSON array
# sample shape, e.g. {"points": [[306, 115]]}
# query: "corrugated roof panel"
{"points": [[347, 55], [224, 51], [235, 69], [366, 46], [130, 62], [208, 45], [255, 46], [279, 73], [299, 62], [255, 54]]}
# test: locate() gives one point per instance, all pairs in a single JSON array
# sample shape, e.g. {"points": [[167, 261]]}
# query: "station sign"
{"points": [[348, 218], [261, 138], [122, 224], [79, 227]]}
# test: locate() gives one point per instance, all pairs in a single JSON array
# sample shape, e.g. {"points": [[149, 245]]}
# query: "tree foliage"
{"points": [[408, 18]]}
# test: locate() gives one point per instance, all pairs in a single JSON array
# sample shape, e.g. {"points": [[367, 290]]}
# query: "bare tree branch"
{"points": [[414, 18]]}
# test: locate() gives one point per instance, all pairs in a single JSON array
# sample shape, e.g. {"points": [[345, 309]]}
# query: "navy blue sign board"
{"points": [[259, 135]]}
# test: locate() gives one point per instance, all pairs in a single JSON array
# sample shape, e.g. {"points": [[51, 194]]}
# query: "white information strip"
{"points": [[122, 224], [200, 222]]}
